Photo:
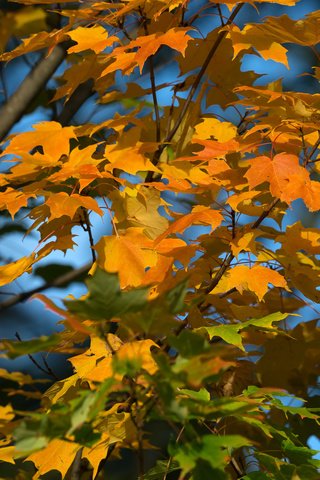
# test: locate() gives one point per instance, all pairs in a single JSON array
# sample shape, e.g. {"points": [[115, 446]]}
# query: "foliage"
{"points": [[190, 322]]}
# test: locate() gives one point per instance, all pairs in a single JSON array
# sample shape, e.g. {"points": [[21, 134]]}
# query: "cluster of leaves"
{"points": [[192, 331]]}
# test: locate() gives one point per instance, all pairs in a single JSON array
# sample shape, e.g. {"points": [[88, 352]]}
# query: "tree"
{"points": [[193, 321]]}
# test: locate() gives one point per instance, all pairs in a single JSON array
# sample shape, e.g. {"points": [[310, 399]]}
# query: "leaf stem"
{"points": [[48, 370]]}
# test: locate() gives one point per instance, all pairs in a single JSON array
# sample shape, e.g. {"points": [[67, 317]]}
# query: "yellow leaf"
{"points": [[95, 365], [212, 127], [241, 198], [244, 242], [13, 270], [61, 389], [97, 453], [139, 352], [51, 136], [57, 455], [6, 413], [255, 279], [6, 454], [94, 38], [61, 204], [251, 36], [115, 252], [12, 200]]}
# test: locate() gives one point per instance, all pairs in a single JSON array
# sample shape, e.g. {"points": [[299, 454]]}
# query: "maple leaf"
{"points": [[125, 60], [126, 249], [139, 354], [255, 279], [12, 200], [57, 455], [94, 38], [199, 216], [11, 271], [61, 204], [249, 37], [189, 138], [288, 180], [51, 136]]}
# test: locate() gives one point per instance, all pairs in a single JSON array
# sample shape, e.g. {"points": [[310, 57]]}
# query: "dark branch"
{"points": [[18, 103], [58, 282]]}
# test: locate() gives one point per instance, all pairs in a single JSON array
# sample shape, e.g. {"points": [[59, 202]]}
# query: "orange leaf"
{"points": [[200, 215], [12, 200], [94, 38], [255, 279], [115, 252], [63, 204], [54, 139], [288, 180], [13, 270], [126, 61]]}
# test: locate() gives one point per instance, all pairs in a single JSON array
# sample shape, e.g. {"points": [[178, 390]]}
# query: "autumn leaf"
{"points": [[57, 455], [175, 38], [148, 115], [288, 180], [94, 38], [139, 354], [199, 216], [61, 204], [113, 251], [255, 279], [11, 271], [51, 136]]}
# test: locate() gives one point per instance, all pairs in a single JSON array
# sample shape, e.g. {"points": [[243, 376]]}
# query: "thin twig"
{"points": [[171, 458], [49, 371], [152, 81], [202, 71], [57, 282], [228, 259], [314, 149], [172, 132], [87, 228]]}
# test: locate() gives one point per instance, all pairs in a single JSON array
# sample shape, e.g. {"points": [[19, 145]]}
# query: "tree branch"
{"points": [[204, 67], [192, 92], [216, 279], [57, 282], [79, 96], [17, 104]]}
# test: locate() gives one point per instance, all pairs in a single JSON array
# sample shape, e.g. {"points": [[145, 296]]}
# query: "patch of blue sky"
{"points": [[314, 443], [296, 12]]}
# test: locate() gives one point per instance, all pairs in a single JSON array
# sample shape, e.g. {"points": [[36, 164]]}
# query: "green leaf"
{"points": [[161, 468], [299, 455], [188, 343], [16, 348], [230, 333], [175, 297], [201, 395], [55, 270], [216, 450], [258, 476], [85, 435], [105, 300]]}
